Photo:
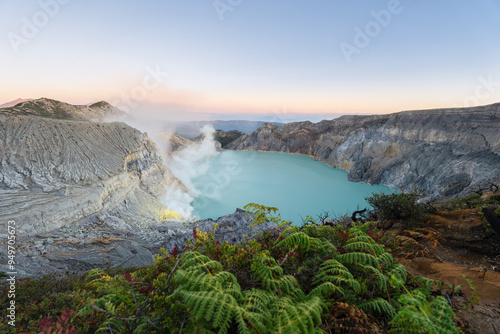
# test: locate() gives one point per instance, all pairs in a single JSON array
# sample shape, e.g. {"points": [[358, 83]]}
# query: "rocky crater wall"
{"points": [[54, 172]]}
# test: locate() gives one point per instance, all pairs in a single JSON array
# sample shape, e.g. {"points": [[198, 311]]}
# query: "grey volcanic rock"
{"points": [[447, 151], [54, 172], [109, 242], [231, 228]]}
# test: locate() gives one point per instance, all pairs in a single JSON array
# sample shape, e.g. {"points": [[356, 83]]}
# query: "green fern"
{"points": [[291, 317], [327, 246], [271, 275], [364, 246], [422, 316], [334, 282], [264, 214], [199, 263], [372, 258], [214, 297], [120, 301], [215, 300], [295, 239], [358, 259], [326, 289], [335, 272], [378, 306]]}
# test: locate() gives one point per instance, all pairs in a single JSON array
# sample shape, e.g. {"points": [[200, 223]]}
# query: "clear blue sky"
{"points": [[285, 56]]}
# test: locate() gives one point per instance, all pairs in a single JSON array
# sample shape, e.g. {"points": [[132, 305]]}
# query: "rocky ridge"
{"points": [[448, 152], [49, 108]]}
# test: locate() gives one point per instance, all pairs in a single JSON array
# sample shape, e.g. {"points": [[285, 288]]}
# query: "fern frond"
{"points": [[420, 316], [199, 263], [362, 245], [335, 272], [290, 230], [357, 235], [381, 279], [299, 240], [223, 282], [266, 267], [270, 274], [328, 246], [256, 300], [358, 258], [398, 270], [378, 306], [386, 258], [325, 289], [294, 318], [427, 283], [211, 306]]}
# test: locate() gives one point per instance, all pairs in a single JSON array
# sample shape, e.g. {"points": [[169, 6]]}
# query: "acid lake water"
{"points": [[296, 184]]}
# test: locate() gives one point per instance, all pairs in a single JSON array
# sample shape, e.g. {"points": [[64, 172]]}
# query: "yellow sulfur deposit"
{"points": [[171, 215]]}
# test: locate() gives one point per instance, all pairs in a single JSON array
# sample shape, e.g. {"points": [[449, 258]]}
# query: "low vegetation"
{"points": [[403, 207], [288, 279], [487, 205], [473, 201]]}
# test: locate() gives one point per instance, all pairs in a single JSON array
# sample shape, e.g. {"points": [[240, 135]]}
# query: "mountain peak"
{"points": [[102, 105]]}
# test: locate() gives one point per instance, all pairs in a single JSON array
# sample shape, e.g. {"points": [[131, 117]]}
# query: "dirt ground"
{"points": [[467, 248]]}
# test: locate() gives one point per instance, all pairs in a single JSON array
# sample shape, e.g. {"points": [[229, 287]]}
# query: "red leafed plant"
{"points": [[60, 326]]}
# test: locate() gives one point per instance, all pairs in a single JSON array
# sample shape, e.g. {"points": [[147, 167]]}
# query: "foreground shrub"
{"points": [[399, 207], [423, 314]]}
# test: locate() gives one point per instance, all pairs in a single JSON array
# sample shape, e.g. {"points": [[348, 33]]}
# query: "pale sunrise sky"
{"points": [[253, 56]]}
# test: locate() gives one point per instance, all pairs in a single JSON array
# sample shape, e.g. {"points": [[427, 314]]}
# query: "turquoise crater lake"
{"points": [[296, 184]]}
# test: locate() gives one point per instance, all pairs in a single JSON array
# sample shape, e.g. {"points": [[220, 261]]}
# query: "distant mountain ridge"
{"points": [[60, 110], [446, 151], [191, 129]]}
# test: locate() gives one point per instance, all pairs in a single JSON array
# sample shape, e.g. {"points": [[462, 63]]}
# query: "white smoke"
{"points": [[194, 160], [186, 164], [179, 201]]}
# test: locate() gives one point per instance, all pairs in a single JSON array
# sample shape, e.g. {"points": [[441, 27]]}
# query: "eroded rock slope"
{"points": [[55, 172], [61, 172]]}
